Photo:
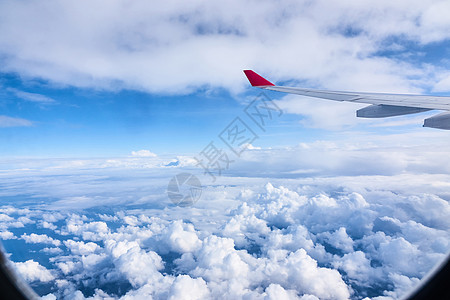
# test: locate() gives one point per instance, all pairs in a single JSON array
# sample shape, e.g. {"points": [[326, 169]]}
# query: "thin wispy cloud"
{"points": [[33, 97], [6, 121]]}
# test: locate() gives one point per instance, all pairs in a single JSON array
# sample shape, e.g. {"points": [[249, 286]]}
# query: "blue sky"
{"points": [[88, 122], [73, 88], [85, 122]]}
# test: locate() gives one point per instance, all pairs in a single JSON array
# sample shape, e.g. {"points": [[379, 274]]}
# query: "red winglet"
{"points": [[256, 80]]}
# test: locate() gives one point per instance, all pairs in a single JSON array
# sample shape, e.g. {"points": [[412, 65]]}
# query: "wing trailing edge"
{"points": [[382, 104]]}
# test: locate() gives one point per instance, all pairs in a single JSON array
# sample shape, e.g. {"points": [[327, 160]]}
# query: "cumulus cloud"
{"points": [[7, 235], [34, 238], [138, 266], [81, 248], [185, 287], [52, 251], [183, 237], [296, 243], [52, 217], [76, 225], [5, 218], [32, 271], [345, 235], [276, 291], [48, 225]]}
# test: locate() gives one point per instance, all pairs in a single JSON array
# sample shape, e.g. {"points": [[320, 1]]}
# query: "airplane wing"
{"points": [[382, 105]]}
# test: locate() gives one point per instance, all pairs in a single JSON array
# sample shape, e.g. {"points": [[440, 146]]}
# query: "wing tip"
{"points": [[257, 80]]}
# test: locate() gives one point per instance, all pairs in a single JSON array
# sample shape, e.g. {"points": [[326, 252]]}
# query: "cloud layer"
{"points": [[248, 238], [177, 47]]}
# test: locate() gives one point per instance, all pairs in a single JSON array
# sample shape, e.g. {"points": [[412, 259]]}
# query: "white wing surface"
{"points": [[382, 105]]}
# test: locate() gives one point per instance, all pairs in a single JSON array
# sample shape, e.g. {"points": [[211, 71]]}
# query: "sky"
{"points": [[129, 76], [102, 103]]}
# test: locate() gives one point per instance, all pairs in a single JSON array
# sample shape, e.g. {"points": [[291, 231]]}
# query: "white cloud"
{"points": [[435, 22], [357, 267], [185, 287], [296, 242], [25, 220], [110, 218], [8, 210], [68, 266], [52, 251], [213, 41], [34, 238], [7, 235], [81, 248], [251, 147], [320, 113], [143, 153], [48, 225], [339, 239], [52, 217], [32, 271], [5, 218], [49, 297], [334, 236], [183, 239], [276, 291], [401, 255], [91, 230], [138, 266], [33, 97], [342, 155], [403, 285], [6, 121], [304, 275]]}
